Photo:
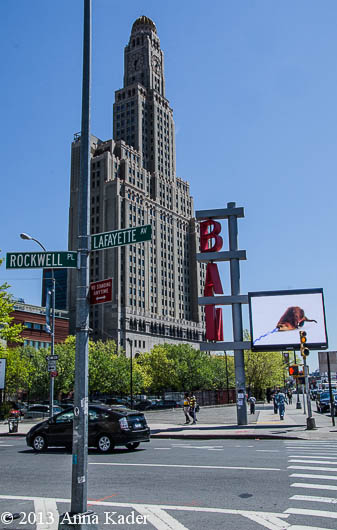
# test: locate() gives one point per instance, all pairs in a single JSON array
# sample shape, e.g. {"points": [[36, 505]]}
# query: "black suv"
{"points": [[107, 427]]}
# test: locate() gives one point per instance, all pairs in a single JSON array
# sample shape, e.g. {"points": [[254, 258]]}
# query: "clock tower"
{"points": [[142, 114], [144, 60]]}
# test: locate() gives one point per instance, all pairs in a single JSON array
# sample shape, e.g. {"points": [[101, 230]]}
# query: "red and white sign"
{"points": [[101, 292], [210, 241]]}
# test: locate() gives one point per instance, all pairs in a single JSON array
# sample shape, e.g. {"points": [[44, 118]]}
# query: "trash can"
{"points": [[13, 424]]}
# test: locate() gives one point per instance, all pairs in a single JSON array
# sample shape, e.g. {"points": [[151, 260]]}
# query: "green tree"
{"points": [[8, 332], [192, 367], [158, 370], [263, 370], [220, 374]]}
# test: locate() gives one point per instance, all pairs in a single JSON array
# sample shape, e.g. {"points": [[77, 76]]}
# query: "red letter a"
{"points": [[214, 325], [213, 282]]}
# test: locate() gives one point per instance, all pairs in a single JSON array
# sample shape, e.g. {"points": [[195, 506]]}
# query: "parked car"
{"points": [[164, 404], [40, 411], [323, 402], [108, 427]]}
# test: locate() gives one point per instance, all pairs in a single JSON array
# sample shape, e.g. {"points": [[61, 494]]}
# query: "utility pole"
{"points": [[80, 423]]}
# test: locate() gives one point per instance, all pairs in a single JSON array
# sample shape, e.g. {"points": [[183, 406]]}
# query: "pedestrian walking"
{"points": [[186, 407], [252, 401], [192, 409], [281, 401], [275, 401], [290, 397]]}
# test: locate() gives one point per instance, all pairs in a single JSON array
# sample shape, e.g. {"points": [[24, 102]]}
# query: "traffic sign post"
{"points": [[41, 260], [119, 238]]}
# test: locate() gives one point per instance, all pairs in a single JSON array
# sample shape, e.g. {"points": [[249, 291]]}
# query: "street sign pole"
{"points": [[51, 380], [80, 424]]}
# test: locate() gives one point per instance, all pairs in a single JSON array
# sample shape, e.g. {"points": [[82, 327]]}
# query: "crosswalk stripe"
{"points": [[160, 519], [315, 513], [312, 461], [313, 486], [46, 509], [311, 498], [307, 475], [311, 456], [314, 468], [300, 527]]}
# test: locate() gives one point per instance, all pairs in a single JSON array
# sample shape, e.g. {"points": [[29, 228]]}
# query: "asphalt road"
{"points": [[179, 485]]}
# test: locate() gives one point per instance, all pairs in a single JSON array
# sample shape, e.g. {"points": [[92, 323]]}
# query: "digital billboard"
{"points": [[277, 317]]}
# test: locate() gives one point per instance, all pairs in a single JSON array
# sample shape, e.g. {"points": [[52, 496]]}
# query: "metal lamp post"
{"points": [[131, 378], [52, 335]]}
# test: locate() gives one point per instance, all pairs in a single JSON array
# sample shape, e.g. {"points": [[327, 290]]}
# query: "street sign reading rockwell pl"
{"points": [[41, 260], [118, 238]]}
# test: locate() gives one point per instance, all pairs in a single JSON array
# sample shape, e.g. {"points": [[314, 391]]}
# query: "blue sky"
{"points": [[253, 88]]}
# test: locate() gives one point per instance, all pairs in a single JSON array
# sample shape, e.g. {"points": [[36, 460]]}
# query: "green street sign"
{"points": [[41, 260], [118, 238]]}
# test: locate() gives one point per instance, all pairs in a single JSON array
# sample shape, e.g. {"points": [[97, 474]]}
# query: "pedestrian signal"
{"points": [[293, 370], [301, 380]]}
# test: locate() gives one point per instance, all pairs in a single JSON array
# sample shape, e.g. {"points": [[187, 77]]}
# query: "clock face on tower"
{"points": [[156, 64], [136, 62]]}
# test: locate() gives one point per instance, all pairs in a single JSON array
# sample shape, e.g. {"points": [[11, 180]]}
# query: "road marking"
{"points": [[273, 521], [160, 519], [6, 445], [315, 513], [312, 461], [311, 456], [43, 508], [311, 498], [183, 466], [162, 448], [314, 468], [300, 527], [313, 486], [190, 446], [304, 475], [267, 451]]}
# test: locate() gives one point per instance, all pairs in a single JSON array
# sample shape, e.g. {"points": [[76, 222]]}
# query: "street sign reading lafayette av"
{"points": [[118, 238], [41, 260]]}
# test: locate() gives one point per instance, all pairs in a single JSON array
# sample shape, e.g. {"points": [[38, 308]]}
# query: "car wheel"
{"points": [[132, 446], [104, 444], [39, 443]]}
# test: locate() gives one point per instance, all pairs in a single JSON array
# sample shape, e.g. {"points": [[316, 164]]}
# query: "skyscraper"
{"points": [[156, 284]]}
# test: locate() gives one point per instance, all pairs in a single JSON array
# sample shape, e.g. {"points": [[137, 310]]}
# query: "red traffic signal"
{"points": [[293, 370]]}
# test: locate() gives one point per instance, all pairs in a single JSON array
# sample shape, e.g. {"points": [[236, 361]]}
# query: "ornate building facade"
{"points": [[156, 284]]}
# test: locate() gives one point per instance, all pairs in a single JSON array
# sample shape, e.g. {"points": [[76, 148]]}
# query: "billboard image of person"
{"points": [[276, 317]]}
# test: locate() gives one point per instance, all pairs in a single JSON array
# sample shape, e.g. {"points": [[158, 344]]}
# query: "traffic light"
{"points": [[303, 339], [293, 370]]}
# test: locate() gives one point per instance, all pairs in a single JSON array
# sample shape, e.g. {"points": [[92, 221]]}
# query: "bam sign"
{"points": [[118, 238], [41, 260]]}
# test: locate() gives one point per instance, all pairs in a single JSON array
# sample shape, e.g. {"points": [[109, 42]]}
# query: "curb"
{"points": [[226, 437]]}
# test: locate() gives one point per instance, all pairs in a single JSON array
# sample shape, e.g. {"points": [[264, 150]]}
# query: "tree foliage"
{"points": [[8, 331]]}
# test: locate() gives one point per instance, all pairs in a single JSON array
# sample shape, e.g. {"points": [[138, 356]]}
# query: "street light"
{"points": [[131, 381], [52, 334]]}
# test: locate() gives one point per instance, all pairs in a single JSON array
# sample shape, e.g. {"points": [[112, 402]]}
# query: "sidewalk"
{"points": [[267, 425]]}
